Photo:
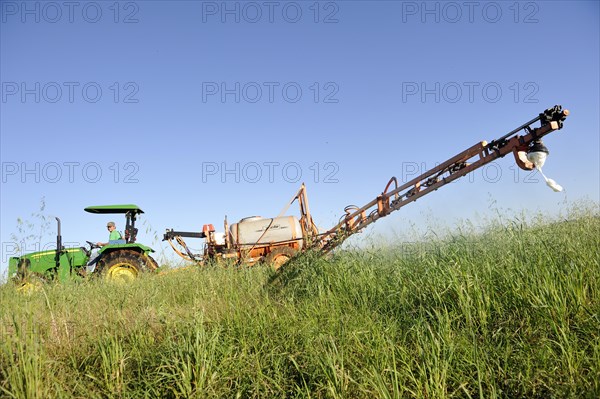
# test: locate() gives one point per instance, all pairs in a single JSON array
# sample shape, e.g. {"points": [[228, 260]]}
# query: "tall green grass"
{"points": [[510, 312]]}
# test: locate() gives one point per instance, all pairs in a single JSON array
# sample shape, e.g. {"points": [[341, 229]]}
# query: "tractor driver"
{"points": [[112, 238], [114, 234]]}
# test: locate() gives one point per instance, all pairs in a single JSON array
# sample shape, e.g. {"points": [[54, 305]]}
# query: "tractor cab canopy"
{"points": [[131, 211], [114, 209]]}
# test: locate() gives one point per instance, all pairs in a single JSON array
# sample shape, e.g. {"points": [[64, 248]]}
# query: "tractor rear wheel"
{"points": [[125, 265], [279, 256]]}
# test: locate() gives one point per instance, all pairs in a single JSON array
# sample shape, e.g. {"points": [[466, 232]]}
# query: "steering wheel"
{"points": [[93, 245]]}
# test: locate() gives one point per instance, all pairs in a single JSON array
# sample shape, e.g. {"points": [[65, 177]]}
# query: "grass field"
{"points": [[511, 312]]}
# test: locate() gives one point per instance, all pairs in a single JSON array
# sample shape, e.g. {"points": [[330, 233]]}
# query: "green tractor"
{"points": [[119, 260]]}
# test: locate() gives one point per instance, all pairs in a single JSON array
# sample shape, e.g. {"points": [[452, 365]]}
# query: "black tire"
{"points": [[124, 265], [153, 263], [23, 268], [280, 256]]}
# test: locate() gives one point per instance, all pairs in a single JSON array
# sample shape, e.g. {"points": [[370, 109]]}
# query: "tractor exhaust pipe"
{"points": [[58, 244]]}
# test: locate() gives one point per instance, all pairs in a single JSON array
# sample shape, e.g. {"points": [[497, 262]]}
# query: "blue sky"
{"points": [[194, 110]]}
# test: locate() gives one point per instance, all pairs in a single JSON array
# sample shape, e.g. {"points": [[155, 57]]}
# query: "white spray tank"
{"points": [[256, 230]]}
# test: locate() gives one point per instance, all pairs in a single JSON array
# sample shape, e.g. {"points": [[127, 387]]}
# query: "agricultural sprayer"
{"points": [[277, 239]]}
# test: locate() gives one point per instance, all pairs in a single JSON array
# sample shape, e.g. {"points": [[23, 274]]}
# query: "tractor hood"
{"points": [[112, 209]]}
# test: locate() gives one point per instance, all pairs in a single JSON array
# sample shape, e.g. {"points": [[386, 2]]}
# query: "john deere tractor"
{"points": [[122, 259]]}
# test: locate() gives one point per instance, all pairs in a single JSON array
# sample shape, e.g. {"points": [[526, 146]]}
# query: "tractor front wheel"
{"points": [[30, 283], [125, 265]]}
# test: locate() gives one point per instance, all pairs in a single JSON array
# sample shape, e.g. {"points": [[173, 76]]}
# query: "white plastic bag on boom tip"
{"points": [[538, 159]]}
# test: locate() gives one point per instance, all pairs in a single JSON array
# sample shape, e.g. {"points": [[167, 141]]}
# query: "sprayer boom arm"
{"points": [[458, 166]]}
